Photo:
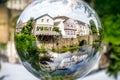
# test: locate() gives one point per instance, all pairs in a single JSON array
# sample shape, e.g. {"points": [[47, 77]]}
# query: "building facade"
{"points": [[44, 21], [83, 29], [70, 28], [44, 25]]}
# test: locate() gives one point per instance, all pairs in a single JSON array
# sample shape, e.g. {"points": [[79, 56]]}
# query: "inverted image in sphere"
{"points": [[58, 39]]}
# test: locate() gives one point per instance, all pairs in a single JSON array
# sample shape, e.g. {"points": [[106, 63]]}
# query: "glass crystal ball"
{"points": [[58, 39]]}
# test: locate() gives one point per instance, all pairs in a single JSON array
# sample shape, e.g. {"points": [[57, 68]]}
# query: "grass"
{"points": [[66, 48]]}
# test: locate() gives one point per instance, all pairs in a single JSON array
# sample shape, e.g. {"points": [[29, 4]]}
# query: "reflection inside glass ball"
{"points": [[58, 38]]}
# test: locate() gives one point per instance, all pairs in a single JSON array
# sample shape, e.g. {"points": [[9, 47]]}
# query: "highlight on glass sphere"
{"points": [[58, 39]]}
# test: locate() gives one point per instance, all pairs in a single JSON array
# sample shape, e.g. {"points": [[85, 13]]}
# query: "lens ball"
{"points": [[58, 39]]}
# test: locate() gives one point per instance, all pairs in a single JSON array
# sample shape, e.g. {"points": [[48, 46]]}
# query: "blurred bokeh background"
{"points": [[109, 13]]}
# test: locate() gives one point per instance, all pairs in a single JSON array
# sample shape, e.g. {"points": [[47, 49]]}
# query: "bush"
{"points": [[28, 27], [74, 47], [56, 29], [25, 42], [42, 49], [53, 49]]}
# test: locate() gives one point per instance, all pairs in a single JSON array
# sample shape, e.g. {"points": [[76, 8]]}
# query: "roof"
{"points": [[82, 23], [56, 23], [70, 29], [47, 33], [43, 16], [61, 17]]}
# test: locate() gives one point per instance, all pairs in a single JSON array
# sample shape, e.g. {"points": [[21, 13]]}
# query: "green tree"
{"points": [[109, 13], [25, 43], [28, 27], [42, 49], [111, 20], [56, 29], [114, 67], [93, 27], [27, 49]]}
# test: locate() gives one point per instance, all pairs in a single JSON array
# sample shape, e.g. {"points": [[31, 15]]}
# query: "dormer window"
{"points": [[72, 26], [42, 20], [47, 20]]}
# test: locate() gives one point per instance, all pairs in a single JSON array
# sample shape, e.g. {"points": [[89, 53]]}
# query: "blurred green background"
{"points": [[109, 13]]}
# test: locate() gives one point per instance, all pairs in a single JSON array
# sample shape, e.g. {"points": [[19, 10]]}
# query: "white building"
{"points": [[59, 22], [83, 29], [44, 21], [44, 26], [18, 4], [70, 28], [66, 25]]}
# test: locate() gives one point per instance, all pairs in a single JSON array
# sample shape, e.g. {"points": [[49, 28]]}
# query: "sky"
{"points": [[66, 8]]}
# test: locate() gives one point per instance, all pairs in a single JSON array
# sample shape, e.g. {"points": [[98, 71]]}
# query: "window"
{"points": [[68, 32], [42, 20], [72, 25], [47, 20], [74, 33], [37, 28]]}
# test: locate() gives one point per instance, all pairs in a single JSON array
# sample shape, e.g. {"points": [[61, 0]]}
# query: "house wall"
{"points": [[70, 28], [60, 25], [70, 24], [83, 30], [45, 21]]}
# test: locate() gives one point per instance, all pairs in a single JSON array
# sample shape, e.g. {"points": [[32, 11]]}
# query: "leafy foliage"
{"points": [[25, 42], [109, 13], [106, 7], [56, 29], [27, 49], [93, 27], [111, 20], [112, 28], [28, 27], [26, 45], [114, 67], [42, 49]]}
